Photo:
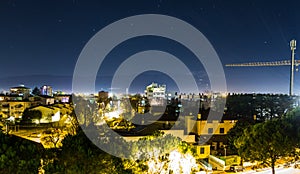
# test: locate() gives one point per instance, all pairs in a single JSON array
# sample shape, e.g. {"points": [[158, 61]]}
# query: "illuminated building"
{"points": [[13, 108], [62, 98], [156, 94], [210, 128], [155, 91], [49, 114], [190, 96], [46, 90], [21, 90], [46, 100], [2, 97]]}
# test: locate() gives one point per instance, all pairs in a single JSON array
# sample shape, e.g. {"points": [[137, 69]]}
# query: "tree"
{"points": [[272, 106], [237, 131], [264, 106], [78, 154], [293, 117], [266, 142], [241, 106], [36, 91], [72, 128], [53, 139], [85, 110], [160, 153], [31, 114], [19, 155]]}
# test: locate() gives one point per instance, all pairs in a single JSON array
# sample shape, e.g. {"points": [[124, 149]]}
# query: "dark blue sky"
{"points": [[46, 38]]}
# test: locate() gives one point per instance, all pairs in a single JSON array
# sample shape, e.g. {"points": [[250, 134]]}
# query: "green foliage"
{"points": [[236, 132], [267, 142], [19, 155], [154, 146], [36, 91], [265, 107], [79, 155], [155, 149], [120, 123], [86, 110], [29, 114], [53, 139], [293, 118]]}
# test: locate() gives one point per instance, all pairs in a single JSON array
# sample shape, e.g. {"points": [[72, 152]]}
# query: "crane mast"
{"points": [[293, 48]]}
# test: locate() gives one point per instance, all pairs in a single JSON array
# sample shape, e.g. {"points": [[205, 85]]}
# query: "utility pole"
{"points": [[293, 48]]}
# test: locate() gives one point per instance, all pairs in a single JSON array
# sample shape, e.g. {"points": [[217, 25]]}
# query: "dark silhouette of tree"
{"points": [[30, 114], [237, 131], [85, 110], [293, 117], [79, 155], [19, 155], [267, 142], [263, 106], [36, 91]]}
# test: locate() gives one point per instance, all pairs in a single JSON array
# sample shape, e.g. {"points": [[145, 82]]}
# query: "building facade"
{"points": [[156, 94], [155, 90], [13, 108], [211, 131], [21, 91], [46, 90]]}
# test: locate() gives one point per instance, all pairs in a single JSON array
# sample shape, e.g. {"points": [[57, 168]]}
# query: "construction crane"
{"points": [[292, 63]]}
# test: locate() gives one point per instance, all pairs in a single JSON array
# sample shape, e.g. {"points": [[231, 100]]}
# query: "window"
{"points": [[221, 130], [202, 150], [209, 121], [210, 130]]}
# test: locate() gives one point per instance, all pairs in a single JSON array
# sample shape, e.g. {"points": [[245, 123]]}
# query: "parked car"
{"points": [[236, 168]]}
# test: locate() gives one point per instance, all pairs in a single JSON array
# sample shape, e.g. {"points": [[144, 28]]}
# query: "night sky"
{"points": [[40, 41]]}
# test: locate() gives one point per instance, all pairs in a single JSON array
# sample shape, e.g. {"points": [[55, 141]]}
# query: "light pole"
{"points": [[224, 150]]}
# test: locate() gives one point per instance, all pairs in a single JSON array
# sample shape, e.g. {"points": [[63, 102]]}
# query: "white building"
{"points": [[156, 91], [156, 94], [21, 91], [46, 90]]}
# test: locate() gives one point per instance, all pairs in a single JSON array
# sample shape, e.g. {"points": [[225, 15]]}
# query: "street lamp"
{"points": [[225, 150]]}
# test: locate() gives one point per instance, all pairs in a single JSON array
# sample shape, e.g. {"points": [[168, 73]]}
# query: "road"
{"points": [[289, 170]]}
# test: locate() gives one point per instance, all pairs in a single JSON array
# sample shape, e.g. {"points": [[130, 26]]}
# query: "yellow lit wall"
{"points": [[203, 151], [204, 127], [13, 108]]}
